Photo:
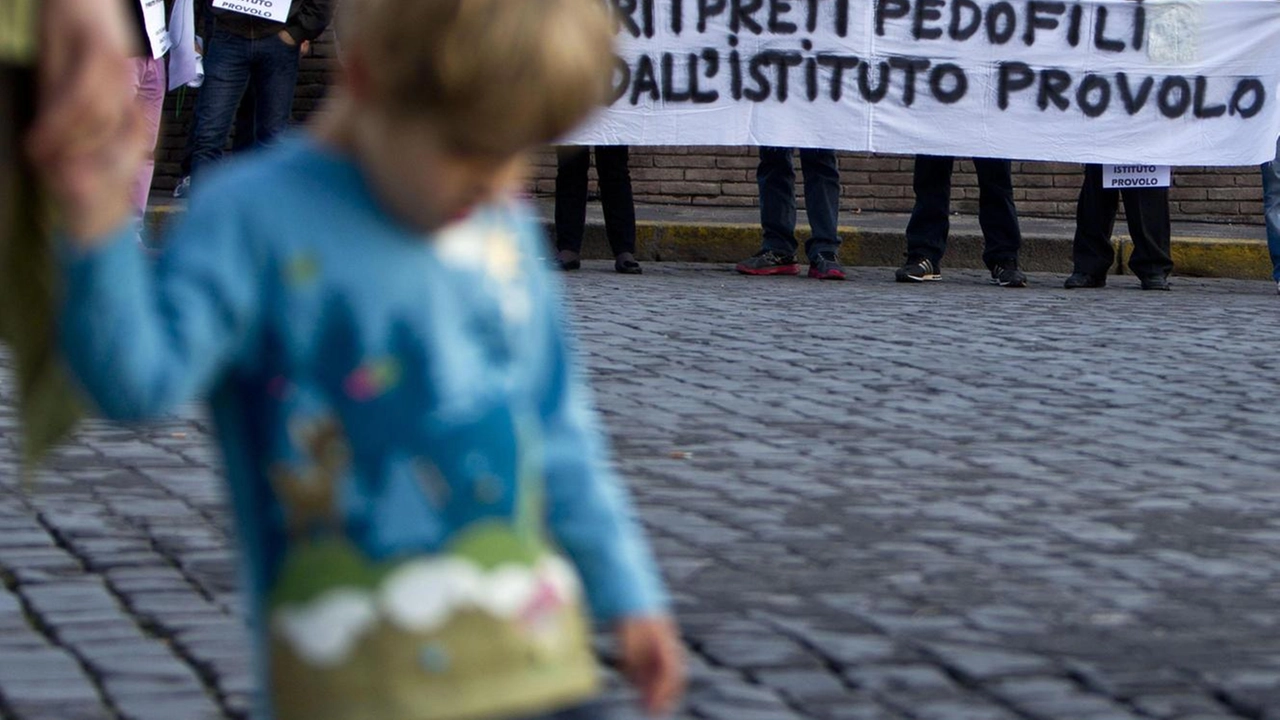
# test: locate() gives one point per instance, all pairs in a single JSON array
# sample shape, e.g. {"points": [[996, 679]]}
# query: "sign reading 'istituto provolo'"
{"points": [[277, 10], [1112, 81]]}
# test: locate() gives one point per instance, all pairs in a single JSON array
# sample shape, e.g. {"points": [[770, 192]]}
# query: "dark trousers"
{"points": [[619, 207], [232, 65], [776, 178], [1147, 212], [931, 217]]}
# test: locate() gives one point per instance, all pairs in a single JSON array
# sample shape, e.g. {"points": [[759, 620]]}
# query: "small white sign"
{"points": [[1127, 177], [157, 29], [277, 10]]}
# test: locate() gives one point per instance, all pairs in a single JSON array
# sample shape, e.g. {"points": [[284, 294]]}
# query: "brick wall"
{"points": [[726, 175]]}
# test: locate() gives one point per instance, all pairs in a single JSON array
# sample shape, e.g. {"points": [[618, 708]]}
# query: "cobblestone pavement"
{"points": [[873, 501]]}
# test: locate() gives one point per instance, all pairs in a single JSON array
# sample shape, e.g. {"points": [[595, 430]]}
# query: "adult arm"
{"points": [[309, 20]]}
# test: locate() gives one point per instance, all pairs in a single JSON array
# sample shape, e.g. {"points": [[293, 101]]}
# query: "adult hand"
{"points": [[85, 88], [91, 185], [287, 39], [653, 661]]}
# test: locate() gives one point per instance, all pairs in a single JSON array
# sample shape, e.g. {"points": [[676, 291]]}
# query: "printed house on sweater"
{"points": [[408, 447]]}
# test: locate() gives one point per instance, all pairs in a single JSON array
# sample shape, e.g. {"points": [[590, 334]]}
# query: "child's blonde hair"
{"points": [[494, 76]]}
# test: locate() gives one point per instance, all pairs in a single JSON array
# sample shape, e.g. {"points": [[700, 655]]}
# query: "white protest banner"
{"points": [[1121, 177], [157, 29], [1172, 82], [277, 10]]}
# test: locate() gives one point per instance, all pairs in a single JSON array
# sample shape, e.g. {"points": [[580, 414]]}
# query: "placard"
{"points": [[157, 29], [1127, 177], [1168, 82], [277, 10]]}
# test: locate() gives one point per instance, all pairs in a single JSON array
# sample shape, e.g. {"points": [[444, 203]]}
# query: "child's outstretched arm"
{"points": [[142, 339], [592, 519]]}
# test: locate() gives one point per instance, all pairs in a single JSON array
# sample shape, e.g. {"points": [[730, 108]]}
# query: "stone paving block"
{"points": [[77, 634], [753, 651], [126, 687], [919, 680], [48, 664], [729, 711], [982, 663], [60, 709], [960, 709], [49, 691], [802, 685], [192, 707], [1176, 705], [141, 658], [850, 709], [849, 648]]}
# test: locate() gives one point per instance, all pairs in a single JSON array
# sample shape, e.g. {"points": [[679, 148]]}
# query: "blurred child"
{"points": [[407, 439]]}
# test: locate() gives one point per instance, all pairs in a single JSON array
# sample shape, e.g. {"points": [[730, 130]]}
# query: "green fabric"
{"points": [[17, 30], [47, 402]]}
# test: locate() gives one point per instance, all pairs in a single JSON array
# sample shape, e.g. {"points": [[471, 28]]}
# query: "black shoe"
{"points": [[626, 264], [568, 260], [769, 262], [825, 267], [917, 270], [1007, 274], [1155, 282], [1084, 280]]}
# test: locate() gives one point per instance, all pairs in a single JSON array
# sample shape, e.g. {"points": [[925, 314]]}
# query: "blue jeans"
{"points": [[1271, 207], [231, 65], [776, 178]]}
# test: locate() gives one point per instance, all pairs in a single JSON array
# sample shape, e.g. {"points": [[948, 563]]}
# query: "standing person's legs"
{"points": [[152, 82], [275, 78], [931, 217], [1271, 208], [226, 75], [1147, 212], [614, 174], [1002, 238], [776, 180], [821, 200], [572, 163], [244, 136], [1091, 251]]}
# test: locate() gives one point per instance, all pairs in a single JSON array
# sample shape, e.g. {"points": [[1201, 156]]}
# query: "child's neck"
{"points": [[334, 126]]}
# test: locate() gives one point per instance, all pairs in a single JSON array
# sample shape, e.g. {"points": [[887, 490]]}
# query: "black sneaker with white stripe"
{"points": [[1007, 274], [917, 269]]}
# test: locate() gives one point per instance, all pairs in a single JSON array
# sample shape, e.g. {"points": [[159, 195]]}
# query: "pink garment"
{"points": [[150, 84]]}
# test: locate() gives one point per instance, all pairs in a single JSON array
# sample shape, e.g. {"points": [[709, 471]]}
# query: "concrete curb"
{"points": [[687, 239], [1244, 259]]}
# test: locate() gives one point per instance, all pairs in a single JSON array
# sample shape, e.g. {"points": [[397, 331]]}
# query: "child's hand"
{"points": [[653, 661]]}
